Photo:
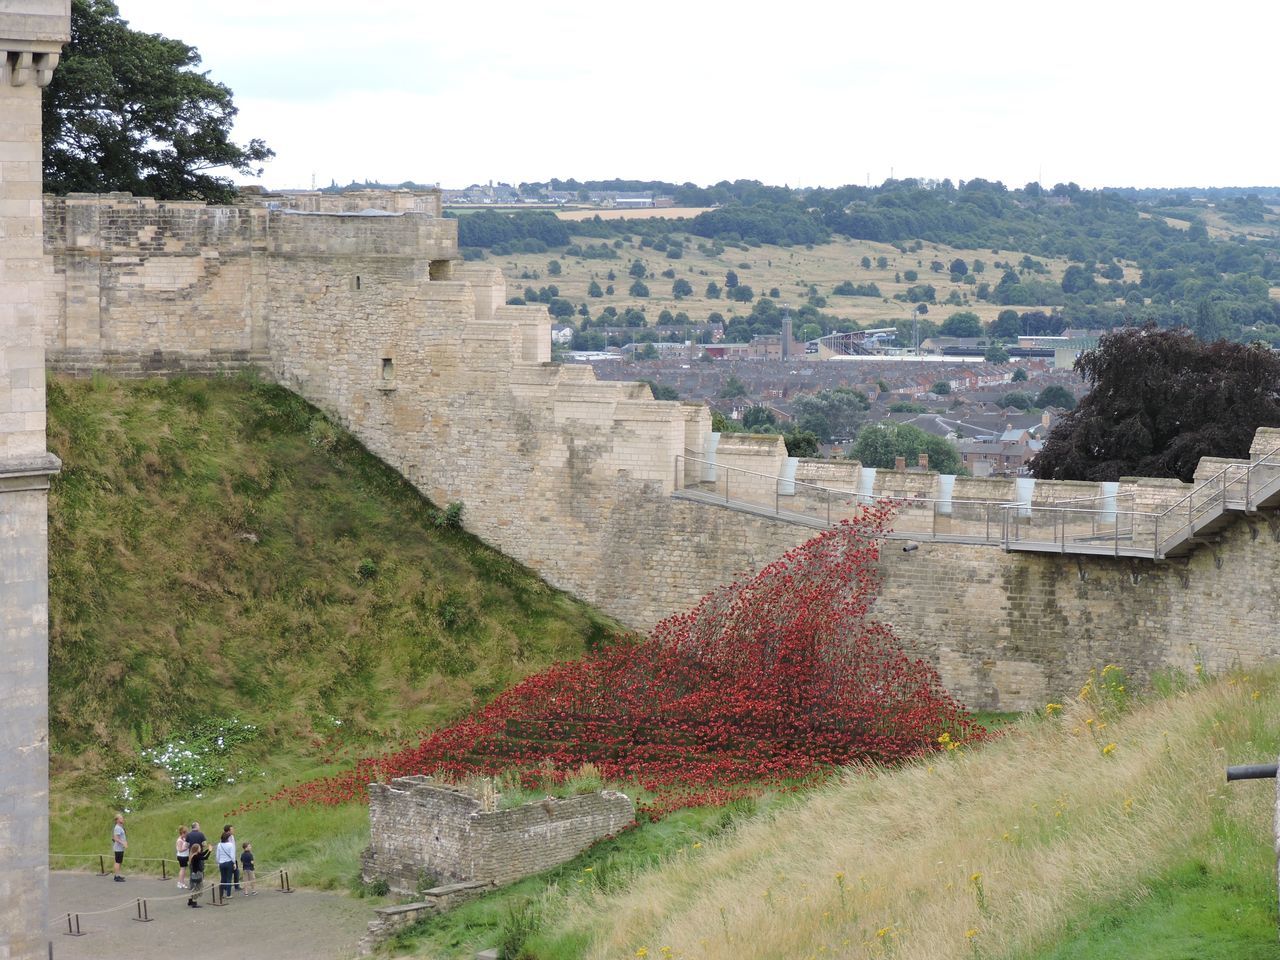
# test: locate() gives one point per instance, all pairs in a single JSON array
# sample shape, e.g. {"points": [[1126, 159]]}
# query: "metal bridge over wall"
{"points": [[1097, 526]]}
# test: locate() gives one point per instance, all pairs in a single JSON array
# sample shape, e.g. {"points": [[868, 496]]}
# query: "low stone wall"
{"points": [[387, 921], [420, 828]]}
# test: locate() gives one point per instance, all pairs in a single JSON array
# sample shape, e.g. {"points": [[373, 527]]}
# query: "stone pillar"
{"points": [[31, 35]]}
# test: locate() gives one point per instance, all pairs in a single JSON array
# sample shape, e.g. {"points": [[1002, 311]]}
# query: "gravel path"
{"points": [[304, 925]]}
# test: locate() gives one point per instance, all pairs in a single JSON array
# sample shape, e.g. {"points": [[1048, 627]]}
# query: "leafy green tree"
{"points": [[962, 324], [608, 291], [959, 267], [126, 111], [1055, 396], [831, 414], [1019, 376], [593, 289], [648, 352], [879, 444], [713, 291], [996, 354], [1018, 399], [553, 268], [756, 417], [638, 289], [742, 293], [1159, 401], [1076, 278], [801, 443], [732, 387], [730, 280], [866, 263], [1006, 326], [559, 307], [681, 288], [662, 391], [911, 276], [942, 388], [638, 269]]}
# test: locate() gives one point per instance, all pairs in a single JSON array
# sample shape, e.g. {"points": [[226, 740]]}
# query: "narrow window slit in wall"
{"points": [[355, 282], [388, 369]]}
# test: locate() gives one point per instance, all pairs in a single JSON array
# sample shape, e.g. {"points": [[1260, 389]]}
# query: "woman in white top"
{"points": [[225, 853], [182, 850]]}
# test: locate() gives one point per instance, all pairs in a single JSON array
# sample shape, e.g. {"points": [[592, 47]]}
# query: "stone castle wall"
{"points": [[374, 319], [420, 829], [31, 36]]}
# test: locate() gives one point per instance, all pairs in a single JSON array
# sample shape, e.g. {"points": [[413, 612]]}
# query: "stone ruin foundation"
{"points": [[424, 832]]}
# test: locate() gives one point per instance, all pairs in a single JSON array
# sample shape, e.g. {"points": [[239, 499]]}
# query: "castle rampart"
{"points": [[374, 319]]}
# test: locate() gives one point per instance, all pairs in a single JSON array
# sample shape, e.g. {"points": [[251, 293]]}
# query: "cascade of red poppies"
{"points": [[777, 677]]}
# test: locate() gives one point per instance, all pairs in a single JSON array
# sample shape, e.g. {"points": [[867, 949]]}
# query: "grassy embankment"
{"points": [[1047, 843], [220, 550]]}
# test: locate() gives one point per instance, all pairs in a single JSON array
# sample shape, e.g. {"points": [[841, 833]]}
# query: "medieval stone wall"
{"points": [[374, 319], [421, 830]]}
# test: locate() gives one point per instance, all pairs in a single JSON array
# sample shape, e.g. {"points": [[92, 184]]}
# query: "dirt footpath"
{"points": [[304, 925]]}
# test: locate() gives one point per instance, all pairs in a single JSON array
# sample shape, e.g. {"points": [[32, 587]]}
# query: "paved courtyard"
{"points": [[297, 926]]}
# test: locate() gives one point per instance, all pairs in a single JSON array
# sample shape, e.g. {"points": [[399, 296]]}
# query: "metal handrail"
{"points": [[869, 497], [1102, 496], [1247, 470]]}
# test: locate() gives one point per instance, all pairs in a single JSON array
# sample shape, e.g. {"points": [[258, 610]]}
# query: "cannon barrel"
{"points": [[1252, 771]]}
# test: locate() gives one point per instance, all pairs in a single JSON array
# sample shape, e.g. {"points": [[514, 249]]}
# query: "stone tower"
{"points": [[31, 35]]}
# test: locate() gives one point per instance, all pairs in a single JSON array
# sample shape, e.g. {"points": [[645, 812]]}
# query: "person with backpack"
{"points": [[197, 854]]}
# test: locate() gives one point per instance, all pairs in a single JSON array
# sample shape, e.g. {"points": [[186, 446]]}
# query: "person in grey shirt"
{"points": [[119, 843]]}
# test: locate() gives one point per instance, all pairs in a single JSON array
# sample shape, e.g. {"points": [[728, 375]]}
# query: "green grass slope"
{"points": [[219, 549]]}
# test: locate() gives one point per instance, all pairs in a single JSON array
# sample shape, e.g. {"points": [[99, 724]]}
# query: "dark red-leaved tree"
{"points": [[1161, 400], [778, 677]]}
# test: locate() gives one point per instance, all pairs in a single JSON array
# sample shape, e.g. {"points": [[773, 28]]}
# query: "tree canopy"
{"points": [[1159, 401], [831, 414], [126, 111], [879, 444]]}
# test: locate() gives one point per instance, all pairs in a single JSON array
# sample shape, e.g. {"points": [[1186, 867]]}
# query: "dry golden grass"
{"points": [[790, 269], [973, 854], [646, 213]]}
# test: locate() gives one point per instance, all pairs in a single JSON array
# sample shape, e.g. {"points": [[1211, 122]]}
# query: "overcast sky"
{"points": [[802, 93]]}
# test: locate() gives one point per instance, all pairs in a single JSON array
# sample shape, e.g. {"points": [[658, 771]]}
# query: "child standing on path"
{"points": [[246, 862]]}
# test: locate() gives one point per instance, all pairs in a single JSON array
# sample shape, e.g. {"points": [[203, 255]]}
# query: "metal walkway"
{"points": [[1098, 526]]}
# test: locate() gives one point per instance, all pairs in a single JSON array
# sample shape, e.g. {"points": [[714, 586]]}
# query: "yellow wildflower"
{"points": [[1108, 749], [1051, 708], [971, 933], [642, 952]]}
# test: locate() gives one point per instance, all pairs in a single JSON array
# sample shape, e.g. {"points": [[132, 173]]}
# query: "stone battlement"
{"points": [[375, 320]]}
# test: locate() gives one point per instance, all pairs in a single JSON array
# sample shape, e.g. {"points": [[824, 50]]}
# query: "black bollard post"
{"points": [[164, 869], [102, 866], [73, 931], [143, 915]]}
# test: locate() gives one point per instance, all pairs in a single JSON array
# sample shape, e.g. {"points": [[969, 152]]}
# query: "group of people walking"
{"points": [[193, 848]]}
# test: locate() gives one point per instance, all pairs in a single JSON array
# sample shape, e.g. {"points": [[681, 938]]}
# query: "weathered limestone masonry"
{"points": [[31, 35], [374, 319], [420, 829]]}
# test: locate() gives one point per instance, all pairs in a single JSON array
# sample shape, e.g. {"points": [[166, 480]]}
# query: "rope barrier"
{"points": [[141, 905]]}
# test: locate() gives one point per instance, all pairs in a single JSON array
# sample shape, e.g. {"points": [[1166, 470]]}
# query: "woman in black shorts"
{"points": [[183, 856]]}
